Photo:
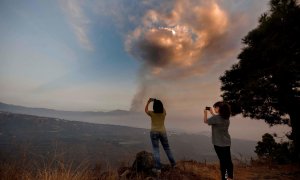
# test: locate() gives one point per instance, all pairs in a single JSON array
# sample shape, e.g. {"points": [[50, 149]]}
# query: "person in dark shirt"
{"points": [[221, 140]]}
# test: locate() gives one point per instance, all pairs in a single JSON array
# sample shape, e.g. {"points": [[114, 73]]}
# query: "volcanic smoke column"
{"points": [[173, 44]]}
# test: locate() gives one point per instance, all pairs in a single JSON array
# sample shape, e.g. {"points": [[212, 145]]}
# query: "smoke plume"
{"points": [[176, 42]]}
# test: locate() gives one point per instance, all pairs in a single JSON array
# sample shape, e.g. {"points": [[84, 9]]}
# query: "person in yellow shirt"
{"points": [[158, 132]]}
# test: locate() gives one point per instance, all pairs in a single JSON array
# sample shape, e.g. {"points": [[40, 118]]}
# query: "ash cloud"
{"points": [[179, 40]]}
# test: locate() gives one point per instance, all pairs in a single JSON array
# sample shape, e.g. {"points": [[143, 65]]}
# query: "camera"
{"points": [[207, 108]]}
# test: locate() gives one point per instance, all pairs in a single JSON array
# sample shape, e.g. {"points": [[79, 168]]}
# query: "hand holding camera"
{"points": [[207, 108], [151, 99]]}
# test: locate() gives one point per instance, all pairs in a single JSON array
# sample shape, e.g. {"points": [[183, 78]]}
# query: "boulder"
{"points": [[144, 162]]}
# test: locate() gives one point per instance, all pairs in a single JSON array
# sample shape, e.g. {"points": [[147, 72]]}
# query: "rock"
{"points": [[125, 174], [141, 167], [144, 162]]}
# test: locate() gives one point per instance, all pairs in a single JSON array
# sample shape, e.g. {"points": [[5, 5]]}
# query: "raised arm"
{"points": [[205, 115], [211, 111], [146, 107]]}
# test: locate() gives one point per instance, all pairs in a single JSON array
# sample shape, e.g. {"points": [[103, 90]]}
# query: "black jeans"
{"points": [[224, 156]]}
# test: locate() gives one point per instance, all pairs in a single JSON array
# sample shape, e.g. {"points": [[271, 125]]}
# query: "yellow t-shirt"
{"points": [[157, 121]]}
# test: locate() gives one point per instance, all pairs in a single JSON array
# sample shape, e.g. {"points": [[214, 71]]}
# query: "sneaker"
{"points": [[174, 165], [156, 171]]}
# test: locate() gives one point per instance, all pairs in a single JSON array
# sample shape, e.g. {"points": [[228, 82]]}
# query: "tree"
{"points": [[266, 147], [270, 150], [265, 83]]}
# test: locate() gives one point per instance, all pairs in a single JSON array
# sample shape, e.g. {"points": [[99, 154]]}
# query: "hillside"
{"points": [[42, 137], [185, 170], [33, 147], [240, 128], [192, 170]]}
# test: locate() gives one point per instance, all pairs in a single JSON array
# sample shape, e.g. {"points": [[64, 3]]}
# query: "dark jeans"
{"points": [[224, 156], [162, 137]]}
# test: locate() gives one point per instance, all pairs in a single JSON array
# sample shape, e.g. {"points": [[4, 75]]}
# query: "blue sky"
{"points": [[41, 55], [91, 55]]}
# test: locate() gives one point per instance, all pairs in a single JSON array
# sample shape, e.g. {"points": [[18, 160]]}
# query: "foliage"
{"points": [[270, 150], [268, 73], [265, 83], [266, 147]]}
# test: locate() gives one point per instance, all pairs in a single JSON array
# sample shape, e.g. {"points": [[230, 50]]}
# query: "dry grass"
{"points": [[267, 171], [21, 171], [199, 170], [185, 170]]}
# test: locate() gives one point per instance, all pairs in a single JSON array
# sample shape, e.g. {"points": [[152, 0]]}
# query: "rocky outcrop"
{"points": [[141, 166], [144, 162]]}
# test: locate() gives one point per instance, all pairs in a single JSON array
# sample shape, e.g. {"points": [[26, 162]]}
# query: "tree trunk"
{"points": [[295, 123]]}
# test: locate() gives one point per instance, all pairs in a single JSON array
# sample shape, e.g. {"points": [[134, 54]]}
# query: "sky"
{"points": [[86, 55]]}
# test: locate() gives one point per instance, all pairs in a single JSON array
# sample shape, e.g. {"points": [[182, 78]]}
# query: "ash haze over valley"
{"points": [[42, 138], [241, 128]]}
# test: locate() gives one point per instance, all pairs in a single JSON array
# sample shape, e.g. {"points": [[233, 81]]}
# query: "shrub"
{"points": [[268, 149]]}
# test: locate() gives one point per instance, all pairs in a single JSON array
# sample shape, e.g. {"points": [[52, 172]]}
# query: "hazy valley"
{"points": [[42, 138]]}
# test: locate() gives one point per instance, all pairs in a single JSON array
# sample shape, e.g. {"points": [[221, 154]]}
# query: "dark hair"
{"points": [[224, 109], [158, 106]]}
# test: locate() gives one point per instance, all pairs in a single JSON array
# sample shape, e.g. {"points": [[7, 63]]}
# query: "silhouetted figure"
{"points": [[220, 137], [158, 132]]}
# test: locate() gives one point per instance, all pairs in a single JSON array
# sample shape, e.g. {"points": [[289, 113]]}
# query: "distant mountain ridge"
{"points": [[115, 117], [45, 112]]}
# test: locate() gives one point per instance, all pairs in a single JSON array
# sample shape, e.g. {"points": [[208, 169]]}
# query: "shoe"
{"points": [[156, 171], [173, 166]]}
